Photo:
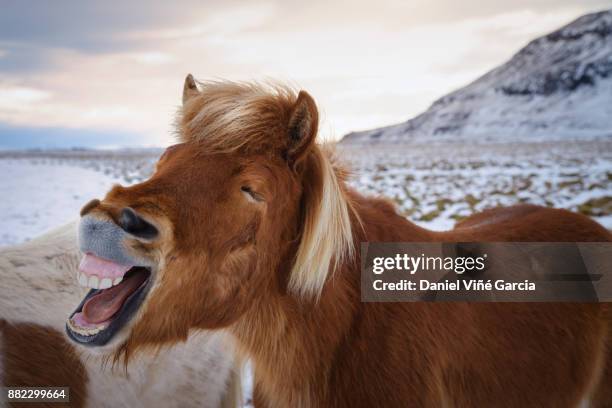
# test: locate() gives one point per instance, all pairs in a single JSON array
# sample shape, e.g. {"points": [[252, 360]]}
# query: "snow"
{"points": [[247, 384], [433, 185], [38, 195], [557, 87]]}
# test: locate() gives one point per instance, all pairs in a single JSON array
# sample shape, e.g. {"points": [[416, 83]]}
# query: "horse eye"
{"points": [[251, 194]]}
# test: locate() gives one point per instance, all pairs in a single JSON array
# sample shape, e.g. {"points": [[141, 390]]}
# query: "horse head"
{"points": [[246, 202]]}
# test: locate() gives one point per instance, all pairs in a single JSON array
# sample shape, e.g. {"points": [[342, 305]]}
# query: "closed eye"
{"points": [[251, 195]]}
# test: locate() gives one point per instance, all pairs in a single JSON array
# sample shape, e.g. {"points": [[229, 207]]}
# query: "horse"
{"points": [[248, 226], [38, 289]]}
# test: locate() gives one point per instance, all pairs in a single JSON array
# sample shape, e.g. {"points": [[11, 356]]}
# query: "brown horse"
{"points": [[248, 226]]}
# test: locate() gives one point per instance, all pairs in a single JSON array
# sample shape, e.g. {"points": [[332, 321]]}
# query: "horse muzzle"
{"points": [[118, 279]]}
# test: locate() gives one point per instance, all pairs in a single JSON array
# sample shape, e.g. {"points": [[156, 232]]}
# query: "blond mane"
{"points": [[228, 116], [327, 237]]}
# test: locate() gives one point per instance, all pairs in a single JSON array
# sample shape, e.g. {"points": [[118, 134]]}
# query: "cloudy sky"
{"points": [[110, 73]]}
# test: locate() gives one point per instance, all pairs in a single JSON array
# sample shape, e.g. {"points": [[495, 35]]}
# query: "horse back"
{"points": [[528, 223]]}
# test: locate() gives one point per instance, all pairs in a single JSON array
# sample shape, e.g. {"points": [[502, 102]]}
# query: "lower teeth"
{"points": [[87, 331]]}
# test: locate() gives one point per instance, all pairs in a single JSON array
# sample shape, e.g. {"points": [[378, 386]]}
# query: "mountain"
{"points": [[558, 86]]}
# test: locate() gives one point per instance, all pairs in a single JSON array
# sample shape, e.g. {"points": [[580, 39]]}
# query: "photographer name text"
{"points": [[446, 285]]}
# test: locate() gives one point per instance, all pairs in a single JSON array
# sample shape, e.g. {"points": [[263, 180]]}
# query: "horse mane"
{"points": [[327, 235], [230, 116]]}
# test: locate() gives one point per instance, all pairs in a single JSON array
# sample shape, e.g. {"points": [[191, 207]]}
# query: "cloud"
{"points": [[85, 25], [119, 25], [19, 98], [24, 137], [119, 66], [153, 58]]}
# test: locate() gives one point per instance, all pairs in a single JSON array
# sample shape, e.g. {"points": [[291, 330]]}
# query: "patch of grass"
{"points": [[521, 184], [381, 167], [596, 207], [441, 203], [471, 200], [415, 201], [569, 183], [430, 216], [459, 217], [500, 192]]}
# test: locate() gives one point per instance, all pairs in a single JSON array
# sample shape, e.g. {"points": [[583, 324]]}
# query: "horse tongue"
{"points": [[102, 306]]}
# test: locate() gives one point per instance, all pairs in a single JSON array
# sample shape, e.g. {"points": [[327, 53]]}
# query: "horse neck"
{"points": [[380, 222], [292, 341]]}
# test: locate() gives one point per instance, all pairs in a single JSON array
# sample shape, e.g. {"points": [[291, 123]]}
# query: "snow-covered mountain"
{"points": [[558, 86]]}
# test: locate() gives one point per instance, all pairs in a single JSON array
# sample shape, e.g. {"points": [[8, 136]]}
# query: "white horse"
{"points": [[38, 290]]}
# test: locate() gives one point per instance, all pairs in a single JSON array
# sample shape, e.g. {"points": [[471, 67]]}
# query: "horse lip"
{"points": [[105, 239], [124, 315]]}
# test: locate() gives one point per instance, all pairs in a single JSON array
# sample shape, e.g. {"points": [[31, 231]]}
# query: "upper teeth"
{"points": [[106, 283], [96, 283]]}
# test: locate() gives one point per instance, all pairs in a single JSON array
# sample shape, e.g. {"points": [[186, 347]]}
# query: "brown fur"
{"points": [[228, 259], [603, 394], [37, 356]]}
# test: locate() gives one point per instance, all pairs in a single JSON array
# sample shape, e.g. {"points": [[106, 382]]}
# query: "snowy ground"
{"points": [[436, 185], [41, 190], [433, 185], [37, 195]]}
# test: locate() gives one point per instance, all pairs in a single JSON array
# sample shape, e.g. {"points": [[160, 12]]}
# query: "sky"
{"points": [[110, 73]]}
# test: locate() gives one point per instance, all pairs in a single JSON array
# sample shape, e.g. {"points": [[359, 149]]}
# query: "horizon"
{"points": [[113, 77]]}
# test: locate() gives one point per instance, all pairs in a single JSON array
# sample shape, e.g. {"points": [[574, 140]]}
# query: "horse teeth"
{"points": [[82, 279], [86, 331], [106, 283], [94, 282]]}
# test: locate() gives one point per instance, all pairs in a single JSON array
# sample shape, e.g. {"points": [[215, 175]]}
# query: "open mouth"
{"points": [[117, 291]]}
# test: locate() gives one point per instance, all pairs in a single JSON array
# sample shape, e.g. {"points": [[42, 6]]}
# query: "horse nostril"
{"points": [[133, 224]]}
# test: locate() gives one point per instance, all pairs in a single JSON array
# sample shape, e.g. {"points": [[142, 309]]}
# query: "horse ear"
{"points": [[190, 89], [303, 126]]}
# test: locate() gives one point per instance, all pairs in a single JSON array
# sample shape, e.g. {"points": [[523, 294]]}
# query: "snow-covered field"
{"points": [[36, 196], [433, 185], [41, 190], [436, 185]]}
